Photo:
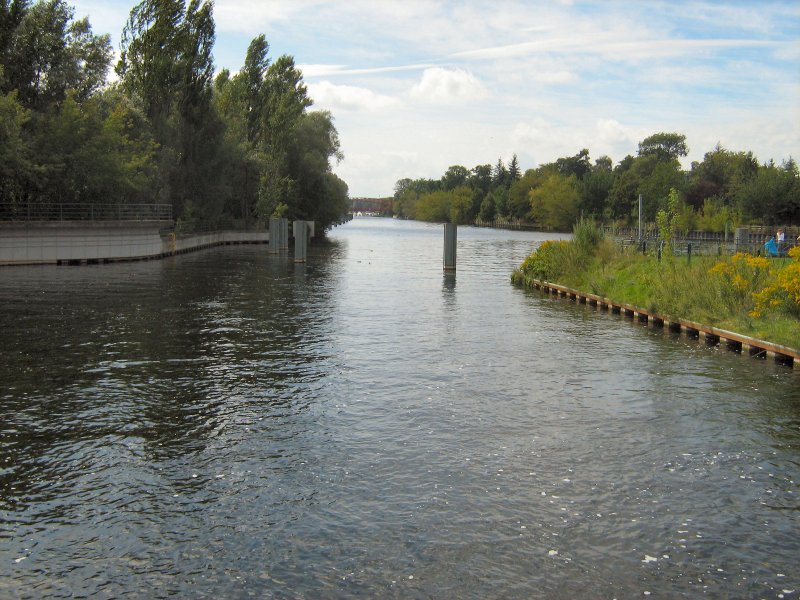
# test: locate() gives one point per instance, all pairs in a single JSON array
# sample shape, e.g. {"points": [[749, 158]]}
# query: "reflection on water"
{"points": [[227, 423]]}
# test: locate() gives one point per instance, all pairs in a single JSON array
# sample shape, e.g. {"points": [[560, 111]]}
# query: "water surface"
{"points": [[229, 424]]}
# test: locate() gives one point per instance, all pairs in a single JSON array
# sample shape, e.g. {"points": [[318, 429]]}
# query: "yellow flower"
{"points": [[739, 282]]}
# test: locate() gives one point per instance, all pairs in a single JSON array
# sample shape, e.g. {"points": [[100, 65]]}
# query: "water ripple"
{"points": [[226, 423]]}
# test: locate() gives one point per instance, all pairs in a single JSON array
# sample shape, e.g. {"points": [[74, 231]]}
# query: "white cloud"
{"points": [[250, 16], [611, 132], [321, 70], [334, 70], [349, 97], [534, 132], [448, 86], [556, 77]]}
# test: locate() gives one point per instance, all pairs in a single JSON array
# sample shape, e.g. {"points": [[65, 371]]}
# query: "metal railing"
{"points": [[10, 211]]}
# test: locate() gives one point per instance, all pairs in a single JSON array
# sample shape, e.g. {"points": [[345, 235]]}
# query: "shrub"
{"points": [[783, 293], [741, 279], [587, 236], [546, 262]]}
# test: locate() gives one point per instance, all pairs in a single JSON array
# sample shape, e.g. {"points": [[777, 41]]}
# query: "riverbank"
{"points": [[756, 297], [713, 336]]}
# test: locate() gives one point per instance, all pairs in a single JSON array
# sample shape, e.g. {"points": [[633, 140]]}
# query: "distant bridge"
{"points": [[382, 206]]}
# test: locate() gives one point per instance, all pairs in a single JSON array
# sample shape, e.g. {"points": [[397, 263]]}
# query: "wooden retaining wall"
{"points": [[712, 335]]}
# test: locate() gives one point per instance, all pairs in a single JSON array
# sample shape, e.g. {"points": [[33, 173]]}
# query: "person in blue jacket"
{"points": [[771, 247]]}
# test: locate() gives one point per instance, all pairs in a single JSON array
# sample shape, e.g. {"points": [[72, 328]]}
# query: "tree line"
{"points": [[224, 150], [725, 189]]}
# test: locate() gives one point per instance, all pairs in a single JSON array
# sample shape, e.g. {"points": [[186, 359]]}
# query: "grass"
{"points": [[752, 296]]}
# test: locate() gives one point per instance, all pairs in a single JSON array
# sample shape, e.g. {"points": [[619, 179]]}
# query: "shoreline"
{"points": [[713, 336]]}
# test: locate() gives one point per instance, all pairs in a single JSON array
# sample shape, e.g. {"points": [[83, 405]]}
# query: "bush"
{"points": [[546, 262], [587, 236]]}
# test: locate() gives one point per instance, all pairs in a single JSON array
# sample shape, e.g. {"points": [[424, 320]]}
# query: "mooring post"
{"points": [[450, 235], [300, 241]]}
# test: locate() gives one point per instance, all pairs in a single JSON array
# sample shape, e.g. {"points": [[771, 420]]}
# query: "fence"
{"points": [[747, 239], [59, 212]]}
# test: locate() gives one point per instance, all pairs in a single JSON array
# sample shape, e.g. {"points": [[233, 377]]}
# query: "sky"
{"points": [[417, 86]]}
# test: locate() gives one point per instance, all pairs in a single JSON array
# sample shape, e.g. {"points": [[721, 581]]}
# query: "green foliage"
{"points": [[487, 210], [587, 236], [519, 202], [46, 54], [772, 195], [666, 219], [726, 189], [595, 189], [445, 206], [546, 262], [15, 162], [434, 207], [716, 216], [578, 165], [460, 205], [554, 203], [231, 151], [751, 295], [664, 146], [454, 177]]}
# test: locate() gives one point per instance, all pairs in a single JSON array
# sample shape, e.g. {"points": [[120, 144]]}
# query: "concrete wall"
{"points": [[43, 243]]}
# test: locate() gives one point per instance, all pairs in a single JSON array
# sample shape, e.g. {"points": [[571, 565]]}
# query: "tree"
{"points": [[578, 165], [720, 175], [314, 144], [772, 196], [47, 54], [460, 205], [481, 178], [664, 146], [499, 174], [555, 202], [455, 176], [594, 192], [519, 203], [167, 61], [646, 175], [513, 171], [487, 209], [252, 77], [15, 164], [434, 207]]}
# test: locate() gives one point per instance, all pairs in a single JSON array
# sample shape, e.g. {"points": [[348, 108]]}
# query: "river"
{"points": [[227, 424]]}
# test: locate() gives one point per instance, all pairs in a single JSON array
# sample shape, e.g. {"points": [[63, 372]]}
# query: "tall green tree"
{"points": [[166, 62], [578, 165], [16, 167], [772, 196], [720, 175], [555, 202], [47, 54], [455, 176], [664, 146], [514, 173]]}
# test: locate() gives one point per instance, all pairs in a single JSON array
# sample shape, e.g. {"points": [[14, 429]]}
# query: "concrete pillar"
{"points": [[284, 234], [300, 241], [273, 235]]}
